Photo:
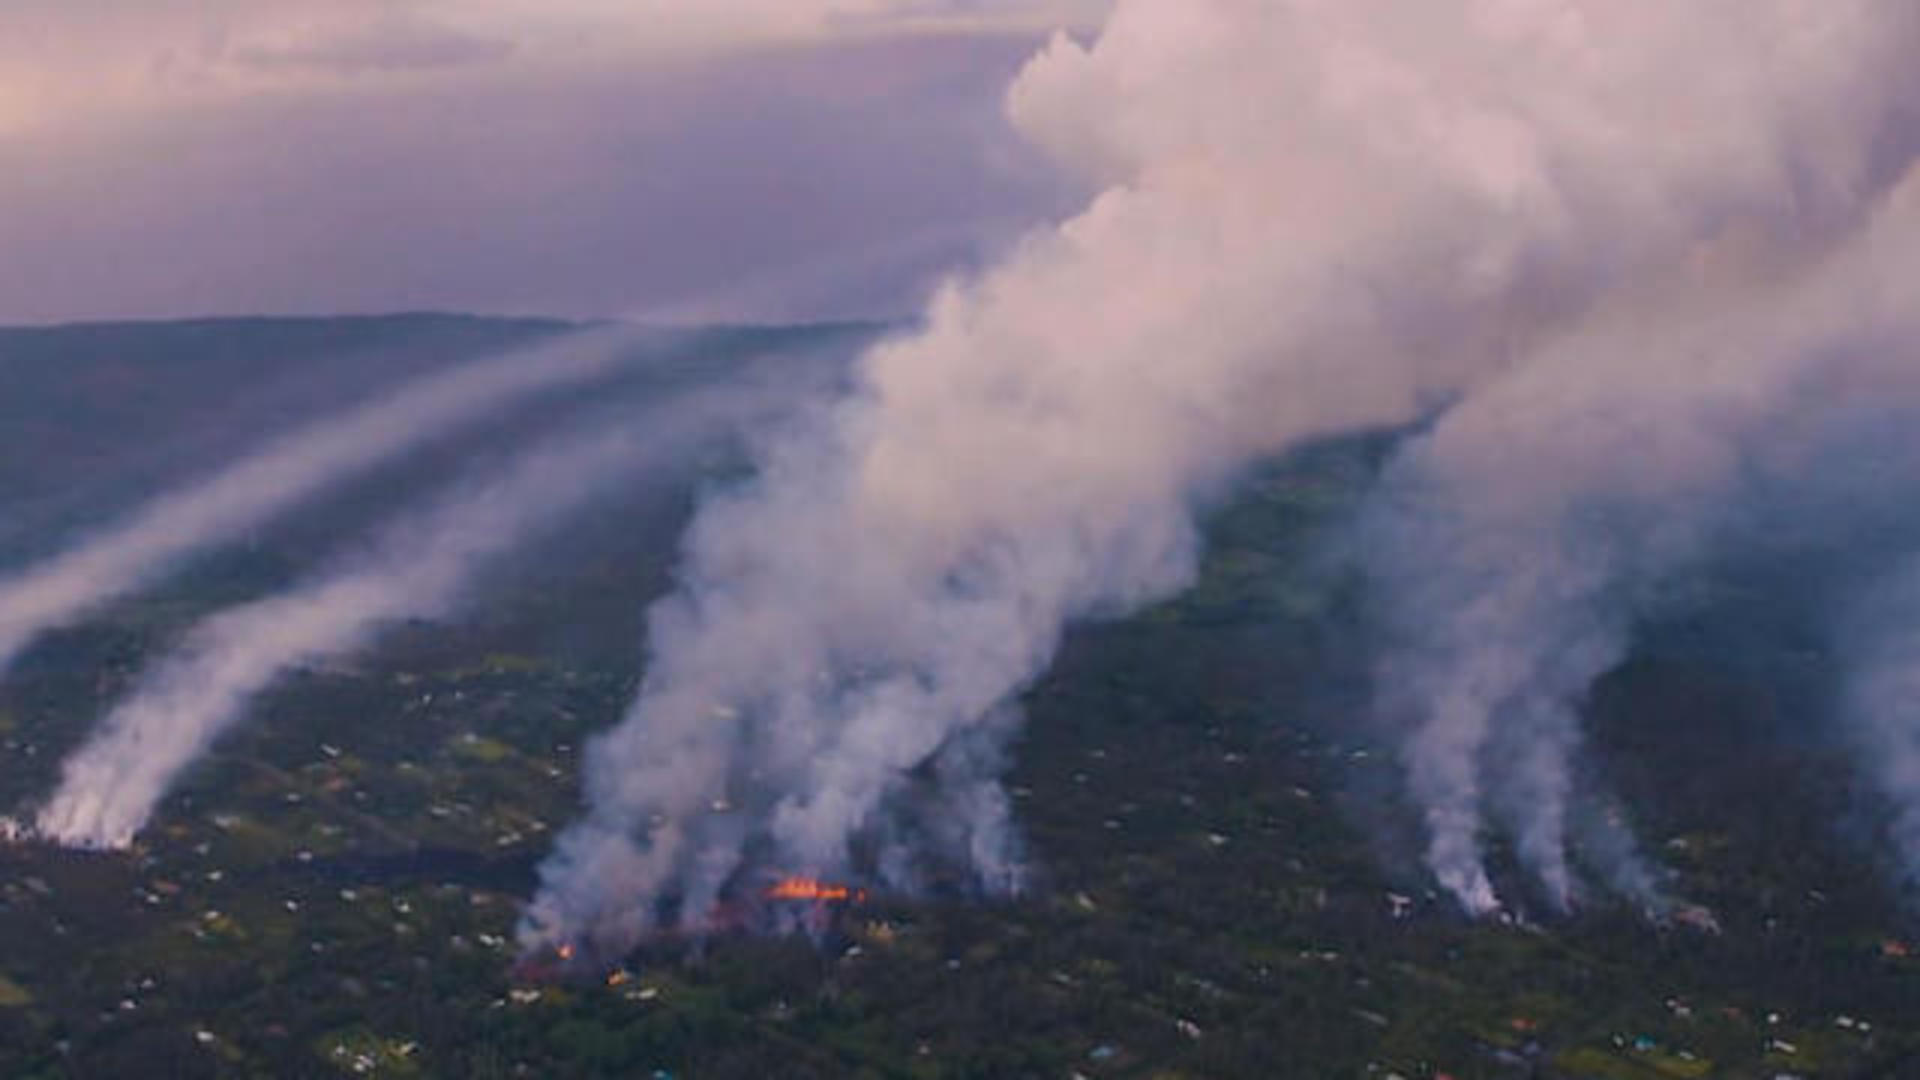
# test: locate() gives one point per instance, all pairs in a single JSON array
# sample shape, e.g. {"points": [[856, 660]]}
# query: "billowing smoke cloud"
{"points": [[1765, 401], [1313, 217], [132, 552], [421, 566]]}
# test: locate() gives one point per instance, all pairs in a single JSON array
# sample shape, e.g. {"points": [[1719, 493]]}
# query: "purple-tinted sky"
{"points": [[676, 159]]}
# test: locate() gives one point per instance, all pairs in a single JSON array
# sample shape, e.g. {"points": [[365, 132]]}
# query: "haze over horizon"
{"points": [[674, 160]]}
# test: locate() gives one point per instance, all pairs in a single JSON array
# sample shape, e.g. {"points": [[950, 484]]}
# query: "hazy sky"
{"points": [[679, 159]]}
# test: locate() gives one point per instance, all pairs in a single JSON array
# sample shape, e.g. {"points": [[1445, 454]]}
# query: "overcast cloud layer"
{"points": [[683, 159]]}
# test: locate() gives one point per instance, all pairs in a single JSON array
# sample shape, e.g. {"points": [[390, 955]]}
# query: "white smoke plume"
{"points": [[132, 552], [1884, 703], [1515, 547], [1311, 217], [1881, 629], [422, 565]]}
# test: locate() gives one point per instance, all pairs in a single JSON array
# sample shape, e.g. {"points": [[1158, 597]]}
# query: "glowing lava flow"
{"points": [[814, 890]]}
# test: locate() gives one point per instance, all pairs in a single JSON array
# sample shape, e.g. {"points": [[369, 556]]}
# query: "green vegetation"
{"points": [[1222, 883]]}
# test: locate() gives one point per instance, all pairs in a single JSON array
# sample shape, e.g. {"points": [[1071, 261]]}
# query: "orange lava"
{"points": [[815, 890]]}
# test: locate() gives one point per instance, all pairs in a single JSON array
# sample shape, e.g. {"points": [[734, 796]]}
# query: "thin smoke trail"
{"points": [[133, 551], [422, 565], [1882, 628]]}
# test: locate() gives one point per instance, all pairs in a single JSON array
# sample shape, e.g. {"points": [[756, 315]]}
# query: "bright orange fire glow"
{"points": [[806, 888]]}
